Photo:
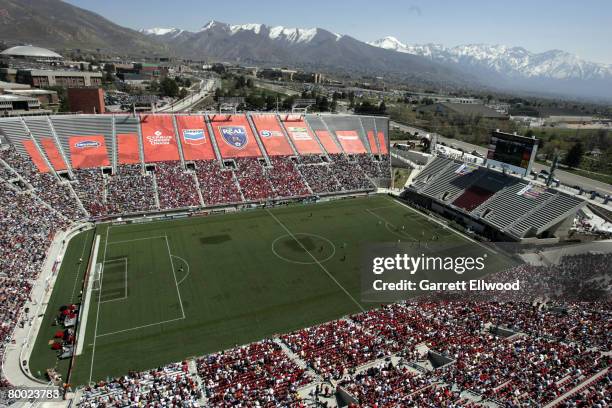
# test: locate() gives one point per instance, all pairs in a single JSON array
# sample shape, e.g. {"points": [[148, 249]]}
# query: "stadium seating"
{"points": [[218, 186], [259, 374], [58, 194], [252, 179], [285, 178], [556, 353], [176, 188], [130, 191], [91, 190], [166, 386], [507, 203]]}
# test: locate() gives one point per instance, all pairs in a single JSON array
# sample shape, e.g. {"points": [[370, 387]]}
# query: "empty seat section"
{"points": [[87, 140]]}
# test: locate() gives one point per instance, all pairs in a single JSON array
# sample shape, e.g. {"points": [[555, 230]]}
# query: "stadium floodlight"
{"points": [[302, 105], [230, 103]]}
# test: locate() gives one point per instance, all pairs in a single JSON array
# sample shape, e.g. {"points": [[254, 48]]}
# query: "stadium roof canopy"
{"points": [[30, 51]]}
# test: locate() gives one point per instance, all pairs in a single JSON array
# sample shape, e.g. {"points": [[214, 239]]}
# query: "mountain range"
{"points": [[60, 25], [309, 48]]}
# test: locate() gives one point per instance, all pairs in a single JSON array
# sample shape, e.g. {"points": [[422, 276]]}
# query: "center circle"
{"points": [[302, 247]]}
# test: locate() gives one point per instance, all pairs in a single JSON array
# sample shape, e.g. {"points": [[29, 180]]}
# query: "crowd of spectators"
{"points": [[130, 191], [169, 386], [254, 184], [58, 194], [90, 189], [285, 178], [27, 227], [258, 374], [319, 176], [218, 186], [349, 174], [176, 188], [334, 348], [374, 169], [389, 386], [13, 294]]}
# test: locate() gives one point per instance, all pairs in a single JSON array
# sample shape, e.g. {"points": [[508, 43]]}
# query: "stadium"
{"points": [[214, 259]]}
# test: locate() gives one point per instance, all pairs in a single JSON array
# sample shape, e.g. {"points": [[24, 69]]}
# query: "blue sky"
{"points": [[581, 27]]}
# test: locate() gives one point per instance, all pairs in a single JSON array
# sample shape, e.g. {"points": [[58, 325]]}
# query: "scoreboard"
{"points": [[512, 152]]}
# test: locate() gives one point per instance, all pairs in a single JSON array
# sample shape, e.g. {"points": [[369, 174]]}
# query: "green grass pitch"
{"points": [[175, 289]]}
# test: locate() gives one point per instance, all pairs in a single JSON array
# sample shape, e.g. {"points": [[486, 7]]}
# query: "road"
{"points": [[565, 177], [206, 87]]}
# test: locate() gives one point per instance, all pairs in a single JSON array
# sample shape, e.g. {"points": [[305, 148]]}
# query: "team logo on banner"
{"points": [[194, 136], [87, 144], [270, 133], [234, 136], [299, 133], [158, 138]]}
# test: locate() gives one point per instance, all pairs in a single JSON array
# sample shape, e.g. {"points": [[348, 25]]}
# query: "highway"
{"points": [[206, 87], [565, 177]]}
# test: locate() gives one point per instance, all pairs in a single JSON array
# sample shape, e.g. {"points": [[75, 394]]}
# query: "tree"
{"points": [[168, 87], [382, 108], [574, 155]]}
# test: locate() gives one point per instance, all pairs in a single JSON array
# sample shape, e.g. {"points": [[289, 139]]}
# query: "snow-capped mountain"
{"points": [[434, 65], [514, 62], [160, 31], [291, 35], [311, 48]]}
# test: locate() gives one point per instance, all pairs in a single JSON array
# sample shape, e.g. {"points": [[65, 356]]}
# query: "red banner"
{"points": [[127, 148], [350, 141], [36, 157], [233, 136], [194, 138], [88, 151], [158, 138], [53, 154], [328, 143], [272, 135], [300, 135], [382, 143], [372, 141]]}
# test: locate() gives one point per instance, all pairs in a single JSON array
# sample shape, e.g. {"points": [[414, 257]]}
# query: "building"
{"points": [[28, 52], [40, 78], [17, 105], [86, 100], [48, 99]]}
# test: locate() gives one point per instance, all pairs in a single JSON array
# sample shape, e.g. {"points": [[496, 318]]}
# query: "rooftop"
{"points": [[30, 51]]}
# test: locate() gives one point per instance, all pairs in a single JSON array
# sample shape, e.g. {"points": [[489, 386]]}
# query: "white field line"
{"points": [[174, 273], [140, 327], [444, 226], [76, 279], [188, 269], [93, 351], [136, 239], [87, 298], [316, 261], [157, 323]]}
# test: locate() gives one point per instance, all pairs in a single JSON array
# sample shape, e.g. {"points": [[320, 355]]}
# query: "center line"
{"points": [[316, 261]]}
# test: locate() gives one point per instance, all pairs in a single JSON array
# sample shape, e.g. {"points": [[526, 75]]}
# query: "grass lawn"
{"points": [[175, 289]]}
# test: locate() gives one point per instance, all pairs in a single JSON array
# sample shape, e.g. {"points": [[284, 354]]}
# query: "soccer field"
{"points": [[175, 289]]}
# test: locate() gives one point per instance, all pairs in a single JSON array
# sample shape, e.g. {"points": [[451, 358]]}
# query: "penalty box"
{"points": [[138, 286]]}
